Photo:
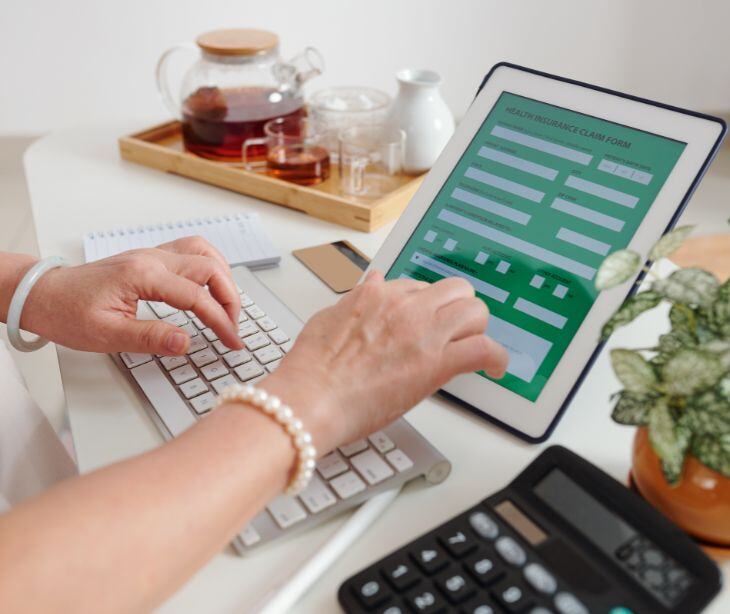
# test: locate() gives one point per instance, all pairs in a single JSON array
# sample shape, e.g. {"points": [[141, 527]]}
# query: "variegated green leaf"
{"points": [[713, 451], [682, 318], [718, 314], [670, 343], [669, 243], [688, 286], [617, 268], [708, 413], [668, 440], [632, 307], [690, 370], [632, 408], [635, 373], [724, 388]]}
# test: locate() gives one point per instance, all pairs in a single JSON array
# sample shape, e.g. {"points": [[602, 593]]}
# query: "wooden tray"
{"points": [[161, 148]]}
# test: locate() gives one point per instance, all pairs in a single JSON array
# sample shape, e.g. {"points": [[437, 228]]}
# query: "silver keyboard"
{"points": [[178, 390]]}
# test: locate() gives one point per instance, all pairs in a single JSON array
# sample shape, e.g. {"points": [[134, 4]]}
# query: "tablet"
{"points": [[543, 179]]}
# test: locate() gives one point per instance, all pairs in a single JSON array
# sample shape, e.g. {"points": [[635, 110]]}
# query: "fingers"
{"points": [[462, 318], [195, 246], [185, 294], [476, 353], [445, 291], [152, 337], [407, 285]]}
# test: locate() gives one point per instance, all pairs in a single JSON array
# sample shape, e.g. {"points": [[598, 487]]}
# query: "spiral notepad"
{"points": [[241, 238]]}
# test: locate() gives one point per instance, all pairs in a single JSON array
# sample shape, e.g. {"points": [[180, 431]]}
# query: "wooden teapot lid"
{"points": [[237, 41]]}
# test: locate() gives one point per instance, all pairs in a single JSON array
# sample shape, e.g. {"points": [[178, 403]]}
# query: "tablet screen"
{"points": [[539, 198]]}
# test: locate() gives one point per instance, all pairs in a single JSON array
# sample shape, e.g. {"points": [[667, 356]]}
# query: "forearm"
{"points": [[12, 269], [125, 537]]}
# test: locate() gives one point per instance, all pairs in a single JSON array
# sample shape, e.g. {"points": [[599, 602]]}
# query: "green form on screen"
{"points": [[539, 198]]}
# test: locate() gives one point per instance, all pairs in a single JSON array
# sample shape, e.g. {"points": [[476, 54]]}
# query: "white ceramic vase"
{"points": [[420, 111]]}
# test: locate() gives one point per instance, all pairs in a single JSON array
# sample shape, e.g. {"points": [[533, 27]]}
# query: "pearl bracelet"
{"points": [[272, 406]]}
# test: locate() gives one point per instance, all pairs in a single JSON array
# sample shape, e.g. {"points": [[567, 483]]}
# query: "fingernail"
{"points": [[177, 342]]}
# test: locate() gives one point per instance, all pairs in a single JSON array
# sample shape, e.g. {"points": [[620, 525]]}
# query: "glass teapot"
{"points": [[237, 84]]}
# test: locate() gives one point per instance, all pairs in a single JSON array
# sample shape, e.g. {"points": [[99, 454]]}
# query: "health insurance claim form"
{"points": [[539, 198]]}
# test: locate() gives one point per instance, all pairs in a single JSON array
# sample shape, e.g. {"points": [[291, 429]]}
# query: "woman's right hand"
{"points": [[362, 363]]}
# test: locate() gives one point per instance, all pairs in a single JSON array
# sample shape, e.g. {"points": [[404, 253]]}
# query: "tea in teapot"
{"points": [[236, 86]]}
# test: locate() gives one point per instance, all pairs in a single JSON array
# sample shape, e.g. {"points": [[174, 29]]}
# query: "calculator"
{"points": [[563, 537]]}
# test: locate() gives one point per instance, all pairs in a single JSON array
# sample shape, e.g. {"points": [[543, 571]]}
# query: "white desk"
{"points": [[78, 183]]}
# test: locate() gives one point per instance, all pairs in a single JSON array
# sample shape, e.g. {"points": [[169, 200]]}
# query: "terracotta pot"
{"points": [[699, 504]]}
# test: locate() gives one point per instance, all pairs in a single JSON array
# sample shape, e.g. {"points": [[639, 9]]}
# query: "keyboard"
{"points": [[562, 538], [177, 390]]}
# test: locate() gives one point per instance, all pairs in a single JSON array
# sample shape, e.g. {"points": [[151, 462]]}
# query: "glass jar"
{"points": [[237, 84]]}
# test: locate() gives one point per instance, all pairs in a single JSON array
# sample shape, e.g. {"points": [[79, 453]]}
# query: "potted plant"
{"points": [[678, 391]]}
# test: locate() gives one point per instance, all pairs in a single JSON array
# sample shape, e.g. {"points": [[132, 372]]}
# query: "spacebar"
{"points": [[164, 398]]}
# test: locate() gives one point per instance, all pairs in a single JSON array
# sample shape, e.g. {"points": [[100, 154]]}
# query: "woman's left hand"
{"points": [[93, 307]]}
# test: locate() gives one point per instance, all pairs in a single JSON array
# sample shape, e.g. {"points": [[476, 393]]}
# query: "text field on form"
{"points": [[533, 142]]}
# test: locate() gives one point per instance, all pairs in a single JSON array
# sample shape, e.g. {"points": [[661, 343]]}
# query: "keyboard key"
{"points": [[456, 585], [162, 310], [371, 592], [567, 603], [286, 511], [193, 388], [331, 465], [183, 374], [189, 329], [354, 447], [273, 366], [189, 313], [210, 334], [484, 525], [242, 317], [267, 354], [286, 346], [425, 600], [246, 300], [458, 541], [317, 496], [220, 384], [176, 319], [278, 336], [255, 312], [399, 460], [401, 574], [237, 357], [203, 357], [347, 484], [249, 536], [203, 403], [480, 605], [248, 371], [382, 442], [173, 362], [266, 324], [214, 370], [246, 329], [430, 557], [512, 595], [256, 341], [485, 569], [132, 360], [370, 466], [220, 347], [196, 344], [198, 323], [511, 551], [540, 578]]}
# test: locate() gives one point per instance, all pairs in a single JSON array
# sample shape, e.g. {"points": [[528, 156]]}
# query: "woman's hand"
{"points": [[93, 306], [363, 362]]}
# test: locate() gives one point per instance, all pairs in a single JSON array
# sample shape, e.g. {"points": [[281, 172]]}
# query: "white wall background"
{"points": [[70, 61]]}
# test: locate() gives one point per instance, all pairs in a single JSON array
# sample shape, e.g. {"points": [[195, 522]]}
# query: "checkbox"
{"points": [[503, 266], [560, 291], [537, 281], [430, 236], [481, 258], [449, 245]]}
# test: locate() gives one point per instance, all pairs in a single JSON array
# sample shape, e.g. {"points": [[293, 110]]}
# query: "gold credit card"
{"points": [[340, 264]]}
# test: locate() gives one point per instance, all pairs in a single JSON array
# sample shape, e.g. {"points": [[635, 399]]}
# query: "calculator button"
{"points": [[483, 525], [458, 542], [510, 551], [456, 586], [653, 557], [371, 592], [480, 605], [485, 569], [430, 558], [542, 610], [512, 596], [401, 574], [426, 600], [392, 609], [540, 578], [567, 603]]}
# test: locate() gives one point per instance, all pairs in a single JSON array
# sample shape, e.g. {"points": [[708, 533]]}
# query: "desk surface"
{"points": [[78, 183]]}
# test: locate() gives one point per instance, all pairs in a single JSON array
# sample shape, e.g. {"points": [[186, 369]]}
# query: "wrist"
{"points": [[13, 269], [36, 313]]}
